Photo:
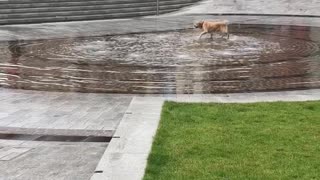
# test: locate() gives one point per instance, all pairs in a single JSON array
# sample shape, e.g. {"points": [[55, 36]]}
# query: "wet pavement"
{"points": [[255, 58]]}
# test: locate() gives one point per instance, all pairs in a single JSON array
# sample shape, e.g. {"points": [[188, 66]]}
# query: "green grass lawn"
{"points": [[278, 140]]}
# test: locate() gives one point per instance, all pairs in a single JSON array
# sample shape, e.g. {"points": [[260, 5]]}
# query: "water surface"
{"points": [[255, 58]]}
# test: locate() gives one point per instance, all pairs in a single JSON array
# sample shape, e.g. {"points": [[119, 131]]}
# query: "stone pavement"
{"points": [[37, 130], [22, 160], [57, 110], [126, 155]]}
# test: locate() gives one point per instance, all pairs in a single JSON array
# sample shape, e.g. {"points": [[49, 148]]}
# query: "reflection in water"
{"points": [[256, 58], [12, 72], [15, 49]]}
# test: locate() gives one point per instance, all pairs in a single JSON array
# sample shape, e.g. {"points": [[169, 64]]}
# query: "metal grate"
{"points": [[63, 135]]}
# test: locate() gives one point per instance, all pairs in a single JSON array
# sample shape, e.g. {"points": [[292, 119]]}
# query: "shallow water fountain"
{"points": [[255, 58]]}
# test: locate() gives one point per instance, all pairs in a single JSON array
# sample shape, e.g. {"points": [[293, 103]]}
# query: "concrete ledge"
{"points": [[299, 95], [126, 156]]}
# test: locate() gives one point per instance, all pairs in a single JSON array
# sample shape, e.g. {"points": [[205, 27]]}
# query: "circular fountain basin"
{"points": [[255, 58]]}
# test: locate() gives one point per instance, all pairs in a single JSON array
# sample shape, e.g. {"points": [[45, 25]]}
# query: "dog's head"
{"points": [[198, 24]]}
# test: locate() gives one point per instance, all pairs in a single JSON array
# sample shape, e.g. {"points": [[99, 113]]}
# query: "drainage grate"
{"points": [[65, 132], [99, 171], [63, 135], [27, 137]]}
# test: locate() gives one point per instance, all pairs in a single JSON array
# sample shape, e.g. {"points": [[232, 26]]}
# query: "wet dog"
{"points": [[211, 27]]}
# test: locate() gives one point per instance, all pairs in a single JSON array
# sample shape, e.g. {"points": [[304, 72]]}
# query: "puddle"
{"points": [[255, 58]]}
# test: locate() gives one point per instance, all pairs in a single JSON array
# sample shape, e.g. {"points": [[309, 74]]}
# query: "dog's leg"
{"points": [[203, 33], [227, 30], [211, 35], [224, 34]]}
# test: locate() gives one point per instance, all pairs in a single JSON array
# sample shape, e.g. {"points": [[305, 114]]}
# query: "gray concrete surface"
{"points": [[126, 157], [48, 160], [127, 153], [125, 26], [57, 110], [283, 7], [58, 114]]}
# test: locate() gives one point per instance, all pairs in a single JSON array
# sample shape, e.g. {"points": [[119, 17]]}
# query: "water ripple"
{"points": [[255, 58]]}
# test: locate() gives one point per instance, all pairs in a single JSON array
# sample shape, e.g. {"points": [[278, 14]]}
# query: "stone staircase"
{"points": [[41, 11]]}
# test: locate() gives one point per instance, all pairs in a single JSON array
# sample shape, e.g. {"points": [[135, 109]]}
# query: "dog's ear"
{"points": [[196, 24], [200, 24]]}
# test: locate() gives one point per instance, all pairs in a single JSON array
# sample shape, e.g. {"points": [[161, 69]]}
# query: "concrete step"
{"points": [[37, 3], [167, 11], [93, 7], [77, 13], [63, 1], [67, 3], [40, 11], [174, 6], [76, 18], [75, 8]]}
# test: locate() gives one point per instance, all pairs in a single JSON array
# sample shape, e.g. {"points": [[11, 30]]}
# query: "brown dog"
{"points": [[220, 27]]}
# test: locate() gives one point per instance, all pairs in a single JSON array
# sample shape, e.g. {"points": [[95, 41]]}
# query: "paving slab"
{"points": [[55, 110], [40, 124], [47, 160]]}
